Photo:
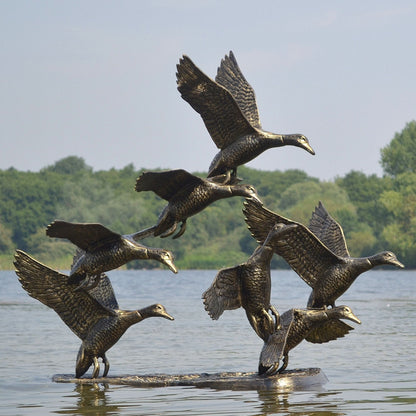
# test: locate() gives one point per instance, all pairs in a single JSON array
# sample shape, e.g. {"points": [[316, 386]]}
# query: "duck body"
{"points": [[297, 325], [336, 280], [101, 250], [229, 110], [187, 195], [243, 150], [106, 332], [247, 285], [94, 315], [101, 337], [318, 254]]}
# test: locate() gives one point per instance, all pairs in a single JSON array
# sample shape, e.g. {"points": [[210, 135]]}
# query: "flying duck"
{"points": [[247, 285], [314, 325], [318, 254], [93, 316], [229, 110], [101, 250], [187, 195]]}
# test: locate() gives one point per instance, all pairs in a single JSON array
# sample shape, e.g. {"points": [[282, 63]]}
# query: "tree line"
{"points": [[376, 213]]}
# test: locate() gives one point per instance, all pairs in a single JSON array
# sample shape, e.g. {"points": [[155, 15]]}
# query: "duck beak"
{"points": [[353, 318], [308, 148], [171, 266], [255, 197], [167, 316], [397, 263]]}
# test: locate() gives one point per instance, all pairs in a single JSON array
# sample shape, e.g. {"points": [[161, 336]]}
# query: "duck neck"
{"points": [[274, 140], [130, 317]]}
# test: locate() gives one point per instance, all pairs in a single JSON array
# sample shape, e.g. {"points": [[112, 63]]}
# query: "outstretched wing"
{"points": [[301, 249], [222, 116], [76, 308], [86, 236], [328, 231], [260, 220], [224, 292], [230, 77], [328, 331], [167, 184]]}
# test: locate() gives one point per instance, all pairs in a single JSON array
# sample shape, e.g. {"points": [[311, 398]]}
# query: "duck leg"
{"points": [[147, 232], [276, 315], [106, 363], [96, 368], [285, 363]]}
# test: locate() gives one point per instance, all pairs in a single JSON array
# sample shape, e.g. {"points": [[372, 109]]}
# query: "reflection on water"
{"points": [[371, 371]]}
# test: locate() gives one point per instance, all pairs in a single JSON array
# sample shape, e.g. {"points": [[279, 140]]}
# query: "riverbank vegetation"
{"points": [[376, 213]]}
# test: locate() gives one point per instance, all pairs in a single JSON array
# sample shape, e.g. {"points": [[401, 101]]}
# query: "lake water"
{"points": [[370, 371]]}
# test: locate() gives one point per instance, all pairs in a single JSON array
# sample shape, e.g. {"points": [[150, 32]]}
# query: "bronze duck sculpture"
{"points": [[229, 111], [318, 254], [187, 195], [314, 325], [101, 250], [94, 316], [247, 285]]}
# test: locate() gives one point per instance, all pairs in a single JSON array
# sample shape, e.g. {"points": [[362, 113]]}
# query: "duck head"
{"points": [[155, 310], [298, 140], [247, 191], [165, 257], [385, 257], [342, 312]]}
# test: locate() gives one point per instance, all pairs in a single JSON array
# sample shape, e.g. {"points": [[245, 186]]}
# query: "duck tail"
{"points": [[272, 352]]}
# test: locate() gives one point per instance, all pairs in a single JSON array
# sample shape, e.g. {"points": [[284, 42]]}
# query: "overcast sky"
{"points": [[96, 79]]}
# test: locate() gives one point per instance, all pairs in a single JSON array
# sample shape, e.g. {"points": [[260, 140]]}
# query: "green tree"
{"points": [[69, 165], [399, 155], [400, 234], [364, 192]]}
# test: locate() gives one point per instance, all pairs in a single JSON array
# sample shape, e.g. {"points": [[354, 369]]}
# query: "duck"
{"points": [[314, 325], [187, 195], [229, 111], [318, 254], [247, 285], [101, 250], [94, 316]]}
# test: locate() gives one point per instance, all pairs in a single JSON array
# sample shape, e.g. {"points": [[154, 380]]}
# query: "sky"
{"points": [[97, 79]]}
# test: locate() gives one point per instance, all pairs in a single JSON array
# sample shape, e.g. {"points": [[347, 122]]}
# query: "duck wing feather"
{"points": [[328, 331], [224, 292], [260, 220], [76, 308], [230, 77], [88, 236], [220, 112], [328, 231], [169, 183]]}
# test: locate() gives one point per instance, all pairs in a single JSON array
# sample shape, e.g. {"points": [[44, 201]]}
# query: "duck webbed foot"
{"points": [[268, 371], [181, 231], [169, 231]]}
